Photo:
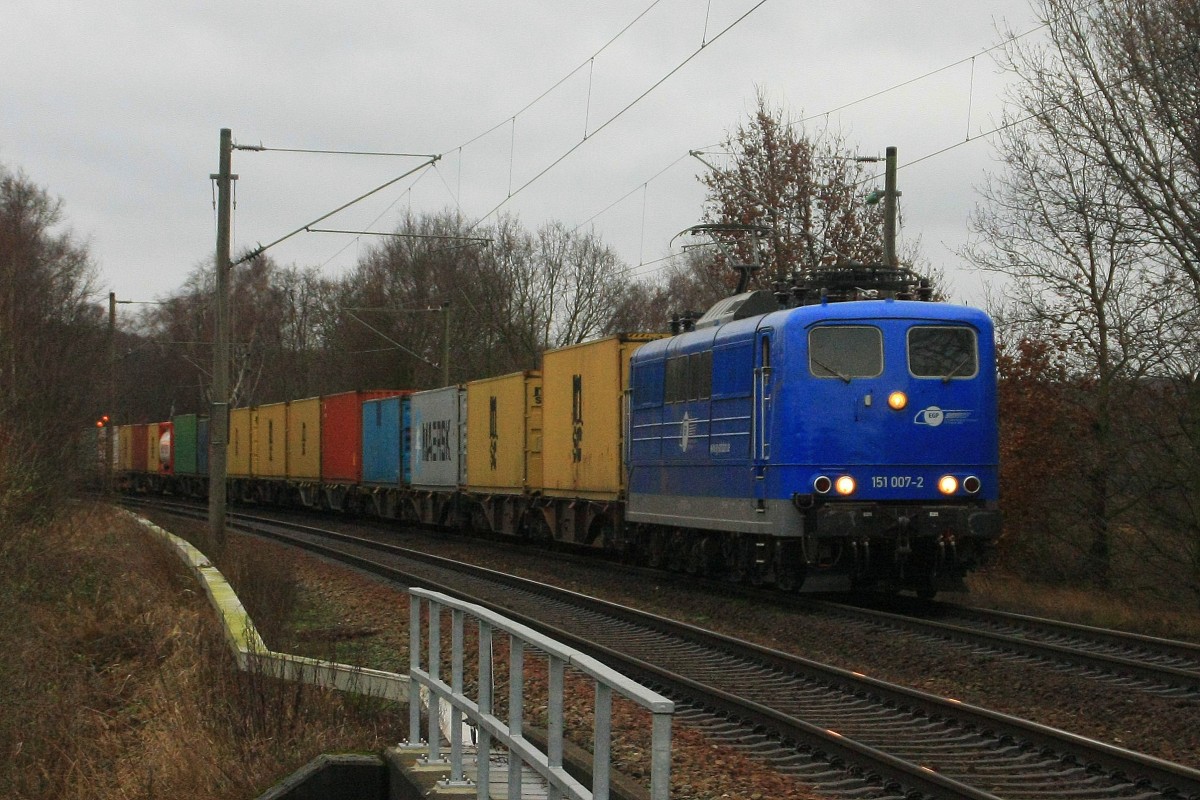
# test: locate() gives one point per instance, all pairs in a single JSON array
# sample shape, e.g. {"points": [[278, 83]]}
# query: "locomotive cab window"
{"points": [[688, 377], [845, 351], [647, 386], [947, 353]]}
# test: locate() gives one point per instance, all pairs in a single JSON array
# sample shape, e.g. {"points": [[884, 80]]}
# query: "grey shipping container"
{"points": [[437, 422]]}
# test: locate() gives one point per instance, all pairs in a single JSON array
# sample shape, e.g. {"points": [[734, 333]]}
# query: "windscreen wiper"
{"points": [[828, 368], [946, 378]]}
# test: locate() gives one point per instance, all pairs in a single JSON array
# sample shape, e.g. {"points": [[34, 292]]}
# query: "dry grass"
{"points": [[1122, 610], [117, 683]]}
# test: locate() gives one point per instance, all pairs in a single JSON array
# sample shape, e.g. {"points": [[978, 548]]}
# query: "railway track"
{"points": [[808, 718], [1129, 661]]}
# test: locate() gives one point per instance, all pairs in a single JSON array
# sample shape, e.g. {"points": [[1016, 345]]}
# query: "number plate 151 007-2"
{"points": [[897, 482]]}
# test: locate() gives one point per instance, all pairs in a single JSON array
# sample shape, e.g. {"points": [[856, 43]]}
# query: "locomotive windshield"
{"points": [[845, 351], [946, 353]]}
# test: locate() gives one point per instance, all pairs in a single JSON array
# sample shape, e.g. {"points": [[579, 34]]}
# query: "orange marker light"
{"points": [[845, 485], [948, 484], [898, 400]]}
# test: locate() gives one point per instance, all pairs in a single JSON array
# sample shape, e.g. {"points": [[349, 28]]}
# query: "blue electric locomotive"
{"points": [[833, 445]]}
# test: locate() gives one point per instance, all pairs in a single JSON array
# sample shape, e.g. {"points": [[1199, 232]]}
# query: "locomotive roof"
{"points": [[804, 316]]}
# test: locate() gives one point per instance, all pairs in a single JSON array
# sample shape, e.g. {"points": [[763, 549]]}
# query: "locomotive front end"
{"points": [[886, 440]]}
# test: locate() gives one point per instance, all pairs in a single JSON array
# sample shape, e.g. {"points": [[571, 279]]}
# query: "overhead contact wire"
{"points": [[564, 78], [620, 113]]}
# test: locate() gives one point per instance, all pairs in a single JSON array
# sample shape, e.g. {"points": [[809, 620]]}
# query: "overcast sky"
{"points": [[116, 108]]}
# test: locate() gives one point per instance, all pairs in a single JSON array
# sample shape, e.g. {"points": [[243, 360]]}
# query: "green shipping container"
{"points": [[185, 444]]}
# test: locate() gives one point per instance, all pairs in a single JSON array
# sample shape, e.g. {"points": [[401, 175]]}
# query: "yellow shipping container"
{"points": [[304, 439], [269, 442], [504, 433], [125, 448], [153, 462], [241, 442], [583, 390]]}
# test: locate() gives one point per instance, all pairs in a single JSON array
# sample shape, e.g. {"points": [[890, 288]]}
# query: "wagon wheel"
{"points": [[538, 528], [928, 591]]}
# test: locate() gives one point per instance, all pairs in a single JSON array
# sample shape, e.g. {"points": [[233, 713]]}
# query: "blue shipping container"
{"points": [[381, 441]]}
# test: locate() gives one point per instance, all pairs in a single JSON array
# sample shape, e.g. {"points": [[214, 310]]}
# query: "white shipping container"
{"points": [[438, 434]]}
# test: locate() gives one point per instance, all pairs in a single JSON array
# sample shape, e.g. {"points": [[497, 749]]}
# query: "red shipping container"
{"points": [[341, 434], [138, 446]]}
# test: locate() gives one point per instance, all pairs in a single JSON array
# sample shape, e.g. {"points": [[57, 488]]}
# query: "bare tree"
{"points": [[1125, 76], [280, 318], [389, 325], [52, 341], [583, 276], [511, 297], [804, 188], [1088, 250]]}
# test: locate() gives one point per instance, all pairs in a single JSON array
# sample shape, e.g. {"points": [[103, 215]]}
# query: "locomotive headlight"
{"points": [[897, 400], [971, 484], [822, 484], [845, 485], [948, 484]]}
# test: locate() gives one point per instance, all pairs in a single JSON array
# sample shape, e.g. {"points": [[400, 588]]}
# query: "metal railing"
{"points": [[479, 710]]}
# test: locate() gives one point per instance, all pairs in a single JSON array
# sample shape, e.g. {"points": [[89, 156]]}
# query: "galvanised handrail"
{"points": [[479, 711]]}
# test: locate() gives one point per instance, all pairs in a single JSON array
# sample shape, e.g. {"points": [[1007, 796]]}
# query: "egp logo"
{"points": [[932, 416]]}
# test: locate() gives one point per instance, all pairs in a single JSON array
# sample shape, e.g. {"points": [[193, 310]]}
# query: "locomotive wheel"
{"points": [[732, 563], [678, 550], [656, 548], [790, 565], [787, 579], [704, 556]]}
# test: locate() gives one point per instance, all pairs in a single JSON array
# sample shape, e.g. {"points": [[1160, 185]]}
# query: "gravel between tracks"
{"points": [[1162, 727]]}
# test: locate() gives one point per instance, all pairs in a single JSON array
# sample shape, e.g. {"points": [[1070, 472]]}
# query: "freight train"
{"points": [[825, 446]]}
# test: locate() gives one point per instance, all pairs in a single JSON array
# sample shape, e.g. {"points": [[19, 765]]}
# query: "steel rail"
{"points": [[1172, 677], [1119, 764]]}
